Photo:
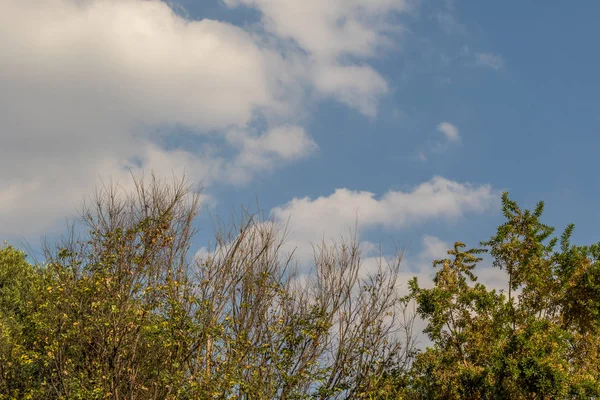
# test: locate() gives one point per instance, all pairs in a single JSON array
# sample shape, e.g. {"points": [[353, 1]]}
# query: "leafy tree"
{"points": [[19, 362], [540, 340], [126, 312]]}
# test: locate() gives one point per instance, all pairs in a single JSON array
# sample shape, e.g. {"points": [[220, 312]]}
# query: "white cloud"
{"points": [[330, 33], [93, 87], [332, 28], [82, 81], [340, 213], [283, 143], [449, 130], [490, 60], [451, 135], [85, 83], [356, 86]]}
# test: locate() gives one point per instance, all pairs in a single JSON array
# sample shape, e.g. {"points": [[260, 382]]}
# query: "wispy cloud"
{"points": [[483, 59], [449, 24], [490, 60]]}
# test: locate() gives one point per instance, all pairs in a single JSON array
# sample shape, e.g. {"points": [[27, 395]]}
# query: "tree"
{"points": [[19, 283], [538, 341], [125, 311]]}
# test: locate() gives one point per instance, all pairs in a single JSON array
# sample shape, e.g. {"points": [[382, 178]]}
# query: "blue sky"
{"points": [[432, 107]]}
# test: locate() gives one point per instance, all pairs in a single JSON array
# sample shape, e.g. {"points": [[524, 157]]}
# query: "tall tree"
{"points": [[538, 340]]}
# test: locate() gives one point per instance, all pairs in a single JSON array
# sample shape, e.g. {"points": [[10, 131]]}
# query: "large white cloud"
{"points": [[85, 85], [89, 88], [344, 211]]}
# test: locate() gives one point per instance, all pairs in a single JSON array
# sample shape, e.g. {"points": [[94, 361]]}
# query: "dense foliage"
{"points": [[125, 311], [538, 340]]}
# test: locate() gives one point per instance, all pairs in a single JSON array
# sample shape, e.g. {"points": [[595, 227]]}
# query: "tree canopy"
{"points": [[126, 311], [537, 340]]}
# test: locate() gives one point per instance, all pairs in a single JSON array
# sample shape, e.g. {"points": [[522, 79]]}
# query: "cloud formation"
{"points": [[449, 130], [334, 216], [337, 36], [93, 88]]}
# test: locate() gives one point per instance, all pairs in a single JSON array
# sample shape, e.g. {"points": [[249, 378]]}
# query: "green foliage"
{"points": [[19, 363], [540, 340], [125, 312]]}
